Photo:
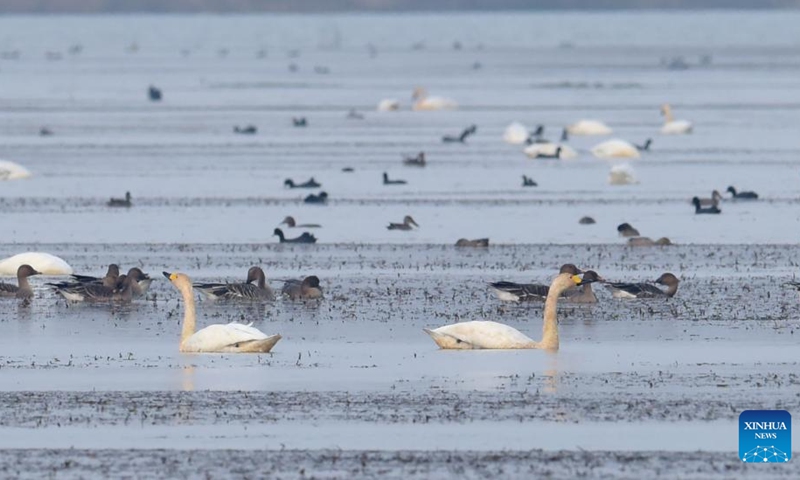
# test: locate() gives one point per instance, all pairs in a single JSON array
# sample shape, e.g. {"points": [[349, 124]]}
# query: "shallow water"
{"points": [[355, 373]]}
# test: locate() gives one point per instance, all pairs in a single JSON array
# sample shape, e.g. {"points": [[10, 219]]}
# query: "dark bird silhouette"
{"points": [[300, 122], [418, 161], [386, 180], [320, 199], [310, 183], [121, 202], [742, 195], [646, 146], [698, 210], [248, 130], [461, 138], [154, 94], [528, 182], [305, 237]]}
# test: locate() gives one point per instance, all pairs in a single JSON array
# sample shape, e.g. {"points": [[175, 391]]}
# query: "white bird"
{"points": [[615, 148], [218, 338], [493, 335], [589, 127], [672, 126], [388, 105], [515, 133], [424, 102], [43, 263], [12, 171], [548, 149], [622, 174]]}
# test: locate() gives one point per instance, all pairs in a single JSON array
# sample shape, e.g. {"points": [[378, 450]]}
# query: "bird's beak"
{"points": [[36, 272], [166, 275], [577, 279]]}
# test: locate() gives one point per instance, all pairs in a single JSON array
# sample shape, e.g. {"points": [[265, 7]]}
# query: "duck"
{"points": [[615, 148], [698, 210], [622, 174], [307, 289], [109, 280], [716, 197], [291, 223], [587, 221], [461, 138], [418, 161], [386, 180], [422, 101], [239, 291], [310, 183], [476, 243], [319, 199], [644, 147], [12, 171], [526, 292], [120, 202], [154, 94], [672, 126], [300, 122], [515, 133], [44, 263], [589, 127], [742, 195], [528, 182], [550, 150], [218, 338], [406, 225], [388, 105], [305, 237], [494, 335], [45, 132], [627, 230], [648, 242], [646, 290], [248, 130], [22, 289], [96, 292]]}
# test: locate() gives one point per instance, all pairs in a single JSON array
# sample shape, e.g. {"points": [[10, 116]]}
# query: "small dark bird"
{"points": [[121, 202], [461, 138], [555, 155], [406, 225], [300, 122], [627, 230], [319, 199], [304, 238], [476, 243], [587, 221], [386, 180], [154, 94], [248, 130], [348, 170], [293, 224], [45, 132], [536, 135], [698, 210], [353, 114], [564, 135], [418, 161], [646, 146], [742, 195], [528, 182], [311, 183]]}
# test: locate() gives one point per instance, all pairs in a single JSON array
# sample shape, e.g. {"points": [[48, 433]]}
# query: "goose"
{"points": [[290, 222], [424, 102], [305, 237], [218, 338], [524, 292], [154, 94], [109, 280], [386, 180], [648, 242], [528, 182], [406, 225], [300, 122], [476, 243], [23, 288], [627, 230], [589, 127], [615, 148], [120, 202], [698, 210], [44, 263], [319, 199], [622, 174], [12, 171], [310, 183], [461, 138], [555, 155], [672, 126], [239, 291], [493, 335], [307, 289], [139, 286], [716, 197], [646, 146], [646, 290], [95, 292], [418, 161], [742, 195], [515, 134], [587, 221], [550, 150], [388, 105], [248, 130]]}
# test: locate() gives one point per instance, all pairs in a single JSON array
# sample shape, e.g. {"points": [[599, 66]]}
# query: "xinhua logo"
{"points": [[765, 436]]}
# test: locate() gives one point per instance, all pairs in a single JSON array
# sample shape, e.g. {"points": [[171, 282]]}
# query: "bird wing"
{"points": [[246, 291], [479, 334], [219, 336], [8, 289], [523, 291], [86, 278], [638, 290], [291, 288]]}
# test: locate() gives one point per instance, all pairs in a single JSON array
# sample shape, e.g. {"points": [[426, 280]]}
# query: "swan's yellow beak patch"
{"points": [[173, 276], [576, 279]]}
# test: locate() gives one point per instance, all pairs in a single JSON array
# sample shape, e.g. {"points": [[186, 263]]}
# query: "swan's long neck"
{"points": [[550, 329], [189, 315], [668, 115]]}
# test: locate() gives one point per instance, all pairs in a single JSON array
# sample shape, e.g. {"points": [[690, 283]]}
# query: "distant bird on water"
{"points": [[310, 183], [698, 210], [386, 180], [304, 238], [528, 182], [154, 94], [742, 195], [461, 138], [418, 161], [627, 230], [319, 199], [408, 224], [121, 202], [248, 130]]}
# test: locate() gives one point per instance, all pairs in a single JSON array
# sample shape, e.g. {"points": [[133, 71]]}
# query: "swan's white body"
{"points": [[589, 127], [44, 263], [493, 335], [622, 175], [615, 148], [672, 126], [515, 133], [388, 105], [535, 149], [12, 171], [424, 102]]}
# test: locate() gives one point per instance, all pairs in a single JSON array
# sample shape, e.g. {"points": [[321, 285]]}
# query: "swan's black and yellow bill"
{"points": [[170, 276]]}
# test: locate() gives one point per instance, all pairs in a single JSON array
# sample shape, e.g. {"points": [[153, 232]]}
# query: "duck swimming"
{"points": [[154, 94], [319, 199], [477, 243], [96, 292], [587, 221], [290, 222], [418, 161], [248, 130], [627, 230], [305, 237], [121, 202], [525, 292], [648, 242], [742, 195], [646, 290], [408, 224], [716, 197], [109, 280], [239, 291], [300, 122], [645, 147], [307, 289], [386, 180], [310, 183], [528, 182], [461, 138], [698, 210], [22, 289]]}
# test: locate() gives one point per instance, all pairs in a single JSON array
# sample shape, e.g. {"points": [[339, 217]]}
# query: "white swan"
{"points": [[219, 338], [515, 133], [493, 335], [538, 150], [43, 263], [12, 171], [615, 148], [388, 105], [589, 127], [424, 102], [672, 126], [622, 174]]}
